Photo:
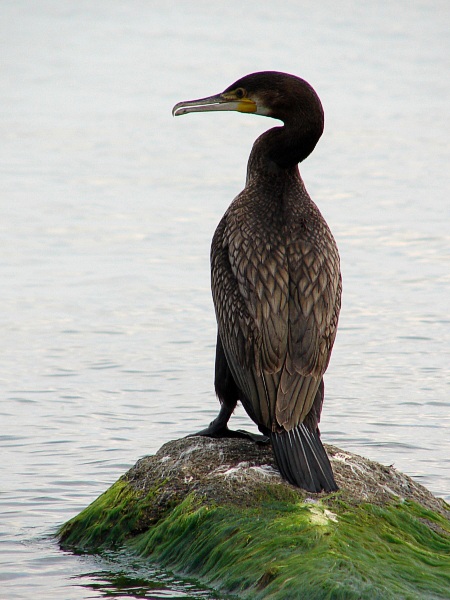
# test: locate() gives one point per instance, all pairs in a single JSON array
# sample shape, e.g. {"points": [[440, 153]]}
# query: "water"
{"points": [[108, 208]]}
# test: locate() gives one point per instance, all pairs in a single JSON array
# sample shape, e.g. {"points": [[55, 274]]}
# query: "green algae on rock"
{"points": [[218, 510]]}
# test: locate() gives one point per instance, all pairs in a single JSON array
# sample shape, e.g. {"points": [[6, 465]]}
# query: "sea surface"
{"points": [[108, 205]]}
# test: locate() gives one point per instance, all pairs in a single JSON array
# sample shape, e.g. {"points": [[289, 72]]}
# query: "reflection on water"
{"points": [[123, 576], [108, 209]]}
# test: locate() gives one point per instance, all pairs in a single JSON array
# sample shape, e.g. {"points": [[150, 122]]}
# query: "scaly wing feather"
{"points": [[277, 301]]}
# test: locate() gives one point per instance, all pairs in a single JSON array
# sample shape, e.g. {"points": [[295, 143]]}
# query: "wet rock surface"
{"points": [[219, 510], [236, 470]]}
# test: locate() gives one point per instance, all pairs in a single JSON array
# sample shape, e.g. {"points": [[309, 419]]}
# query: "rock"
{"points": [[219, 510]]}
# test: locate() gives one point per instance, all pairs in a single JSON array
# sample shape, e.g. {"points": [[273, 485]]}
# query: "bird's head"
{"points": [[267, 93], [277, 95]]}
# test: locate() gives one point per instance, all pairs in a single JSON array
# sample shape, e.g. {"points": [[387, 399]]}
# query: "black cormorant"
{"points": [[276, 281]]}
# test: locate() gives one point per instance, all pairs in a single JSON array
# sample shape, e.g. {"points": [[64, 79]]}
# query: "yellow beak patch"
{"points": [[246, 105]]}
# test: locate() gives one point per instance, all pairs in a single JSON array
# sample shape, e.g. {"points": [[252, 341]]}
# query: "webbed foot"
{"points": [[216, 429]]}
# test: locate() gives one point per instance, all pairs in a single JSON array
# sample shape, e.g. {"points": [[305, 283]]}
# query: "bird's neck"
{"points": [[279, 150]]}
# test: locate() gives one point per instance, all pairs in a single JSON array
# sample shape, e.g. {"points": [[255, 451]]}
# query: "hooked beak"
{"points": [[214, 103]]}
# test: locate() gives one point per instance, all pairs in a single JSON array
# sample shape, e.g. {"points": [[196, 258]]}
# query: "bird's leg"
{"points": [[228, 393], [219, 429]]}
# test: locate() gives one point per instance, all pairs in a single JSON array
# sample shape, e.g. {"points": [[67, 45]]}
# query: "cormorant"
{"points": [[276, 281]]}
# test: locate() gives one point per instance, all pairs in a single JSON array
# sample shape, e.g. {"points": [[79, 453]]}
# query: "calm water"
{"points": [[108, 206]]}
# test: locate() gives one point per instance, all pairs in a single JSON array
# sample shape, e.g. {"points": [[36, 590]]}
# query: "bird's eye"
{"points": [[240, 93]]}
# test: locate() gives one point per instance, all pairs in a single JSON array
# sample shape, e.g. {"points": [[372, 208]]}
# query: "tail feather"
{"points": [[302, 459]]}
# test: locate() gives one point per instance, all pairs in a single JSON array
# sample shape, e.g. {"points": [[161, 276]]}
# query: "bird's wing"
{"points": [[259, 266], [250, 292], [236, 327], [314, 302], [276, 311]]}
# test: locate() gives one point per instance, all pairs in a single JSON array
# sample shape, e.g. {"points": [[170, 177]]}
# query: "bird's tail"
{"points": [[302, 459]]}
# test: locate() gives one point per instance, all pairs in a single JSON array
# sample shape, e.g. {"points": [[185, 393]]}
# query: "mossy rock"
{"points": [[218, 510]]}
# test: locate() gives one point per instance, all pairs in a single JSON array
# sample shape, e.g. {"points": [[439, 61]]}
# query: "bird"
{"points": [[276, 282]]}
